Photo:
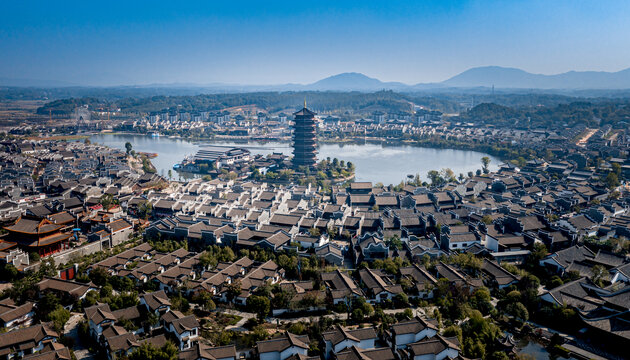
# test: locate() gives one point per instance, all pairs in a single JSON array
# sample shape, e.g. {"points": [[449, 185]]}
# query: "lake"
{"points": [[374, 162]]}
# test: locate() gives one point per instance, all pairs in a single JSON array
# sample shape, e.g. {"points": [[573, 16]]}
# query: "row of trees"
{"points": [[446, 175]]}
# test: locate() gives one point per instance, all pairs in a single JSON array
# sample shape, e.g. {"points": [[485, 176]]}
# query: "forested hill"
{"points": [[615, 113], [499, 109], [272, 102]]}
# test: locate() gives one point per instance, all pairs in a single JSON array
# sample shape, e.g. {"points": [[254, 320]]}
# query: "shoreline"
{"points": [[427, 144]]}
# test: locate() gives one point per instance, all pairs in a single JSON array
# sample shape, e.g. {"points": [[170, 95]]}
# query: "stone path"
{"points": [[71, 329]]}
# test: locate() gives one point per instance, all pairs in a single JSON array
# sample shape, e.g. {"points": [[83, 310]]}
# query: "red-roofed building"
{"points": [[39, 236]]}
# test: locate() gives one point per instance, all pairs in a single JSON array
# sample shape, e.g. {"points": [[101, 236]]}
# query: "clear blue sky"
{"points": [[274, 42]]}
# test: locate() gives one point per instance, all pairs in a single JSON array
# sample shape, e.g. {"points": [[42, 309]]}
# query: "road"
{"points": [[239, 325], [275, 320], [71, 329], [584, 139]]}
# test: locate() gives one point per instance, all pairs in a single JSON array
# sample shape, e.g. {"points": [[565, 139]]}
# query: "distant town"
{"points": [[288, 257]]}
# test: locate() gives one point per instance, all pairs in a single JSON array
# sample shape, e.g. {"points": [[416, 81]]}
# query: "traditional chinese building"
{"points": [[39, 236], [304, 138]]}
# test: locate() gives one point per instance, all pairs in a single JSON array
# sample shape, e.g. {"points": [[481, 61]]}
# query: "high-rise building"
{"points": [[304, 138]]}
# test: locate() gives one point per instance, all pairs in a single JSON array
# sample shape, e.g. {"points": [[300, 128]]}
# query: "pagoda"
{"points": [[304, 138]]}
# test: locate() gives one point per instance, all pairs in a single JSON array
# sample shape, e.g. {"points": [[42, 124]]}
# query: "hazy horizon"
{"points": [[249, 43]]}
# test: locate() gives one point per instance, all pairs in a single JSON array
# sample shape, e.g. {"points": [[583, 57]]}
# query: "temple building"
{"points": [[304, 138], [39, 236]]}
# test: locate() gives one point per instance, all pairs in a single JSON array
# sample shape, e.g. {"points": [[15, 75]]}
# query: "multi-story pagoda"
{"points": [[304, 138]]}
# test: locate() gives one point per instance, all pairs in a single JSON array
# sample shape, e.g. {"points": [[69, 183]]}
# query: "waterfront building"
{"points": [[217, 155]]}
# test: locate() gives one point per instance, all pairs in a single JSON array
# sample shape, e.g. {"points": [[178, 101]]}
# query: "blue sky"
{"points": [[275, 42]]}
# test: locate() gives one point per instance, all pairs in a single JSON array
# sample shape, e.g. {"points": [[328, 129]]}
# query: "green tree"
{"points": [[99, 276], [208, 260], [435, 177], [453, 331], [529, 282], [447, 174], [314, 232], [145, 209], [357, 315], [612, 180], [554, 282], [538, 253], [47, 305], [147, 351], [107, 200], [297, 328], [598, 275], [401, 300], [59, 318], [518, 310], [204, 298], [478, 331], [365, 309], [394, 242], [180, 303], [8, 272], [481, 300], [128, 146], [485, 162], [498, 355], [260, 305]]}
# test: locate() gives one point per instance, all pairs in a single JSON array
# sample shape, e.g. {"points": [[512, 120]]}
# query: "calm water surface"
{"points": [[374, 162]]}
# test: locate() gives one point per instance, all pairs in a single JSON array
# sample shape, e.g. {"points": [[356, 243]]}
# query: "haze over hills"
{"points": [[33, 83], [484, 77], [353, 81], [488, 76], [502, 77]]}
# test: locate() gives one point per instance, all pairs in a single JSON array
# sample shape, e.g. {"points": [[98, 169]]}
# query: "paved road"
{"points": [[239, 325], [71, 329], [274, 320]]}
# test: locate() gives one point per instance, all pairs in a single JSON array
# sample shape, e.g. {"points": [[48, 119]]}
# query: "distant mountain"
{"points": [[502, 77], [33, 83], [488, 76], [469, 80], [353, 81]]}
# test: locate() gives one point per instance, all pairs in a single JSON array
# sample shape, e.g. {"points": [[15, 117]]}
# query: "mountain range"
{"points": [[502, 77], [485, 77]]}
